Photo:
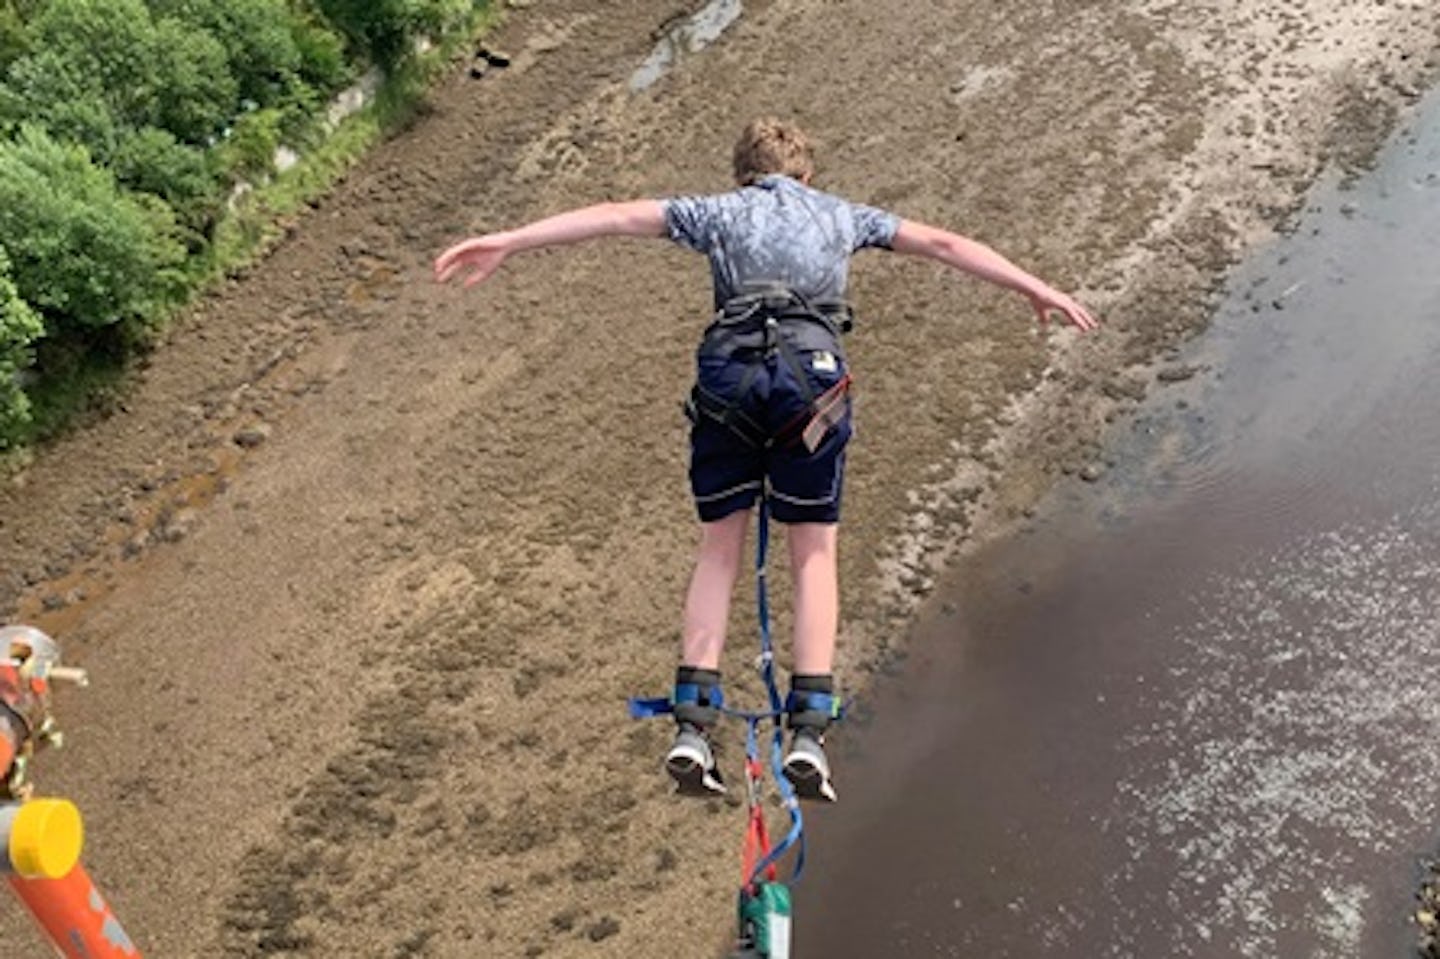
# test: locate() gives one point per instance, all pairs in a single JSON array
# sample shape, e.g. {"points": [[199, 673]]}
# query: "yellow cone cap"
{"points": [[45, 839]]}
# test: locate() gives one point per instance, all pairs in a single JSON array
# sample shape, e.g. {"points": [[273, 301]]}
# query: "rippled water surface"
{"points": [[1194, 711]]}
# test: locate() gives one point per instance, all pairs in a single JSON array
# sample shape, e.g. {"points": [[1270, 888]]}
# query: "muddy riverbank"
{"points": [[363, 587]]}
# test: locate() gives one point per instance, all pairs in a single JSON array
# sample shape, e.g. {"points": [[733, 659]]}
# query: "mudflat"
{"points": [[364, 568]]}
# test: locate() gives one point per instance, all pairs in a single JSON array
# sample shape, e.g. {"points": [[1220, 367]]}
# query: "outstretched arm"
{"points": [[482, 255], [977, 259]]}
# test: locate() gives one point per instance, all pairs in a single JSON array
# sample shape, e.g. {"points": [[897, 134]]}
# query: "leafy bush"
{"points": [[385, 30], [147, 72], [260, 48], [83, 253], [13, 44], [152, 161], [249, 151], [200, 93], [299, 127], [105, 47], [373, 29], [20, 326], [322, 55], [46, 89]]}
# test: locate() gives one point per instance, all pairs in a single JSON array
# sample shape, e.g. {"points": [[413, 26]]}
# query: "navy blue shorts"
{"points": [[727, 474]]}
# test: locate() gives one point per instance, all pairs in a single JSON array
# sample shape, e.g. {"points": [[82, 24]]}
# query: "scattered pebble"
{"points": [[603, 928], [135, 544], [485, 59], [1177, 374], [177, 526], [252, 436]]}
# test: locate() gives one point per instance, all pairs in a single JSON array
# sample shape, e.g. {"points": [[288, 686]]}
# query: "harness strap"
{"points": [[730, 414], [809, 426], [757, 844], [825, 411], [762, 324], [797, 370], [782, 301], [761, 333], [704, 403]]}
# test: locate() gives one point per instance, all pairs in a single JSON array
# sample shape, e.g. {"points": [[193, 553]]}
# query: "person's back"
{"points": [[778, 232]]}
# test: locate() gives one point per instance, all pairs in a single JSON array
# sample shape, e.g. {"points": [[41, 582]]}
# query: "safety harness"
{"points": [[753, 329]]}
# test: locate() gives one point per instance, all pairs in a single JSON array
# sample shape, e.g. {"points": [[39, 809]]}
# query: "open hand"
{"points": [[1051, 300], [480, 255]]}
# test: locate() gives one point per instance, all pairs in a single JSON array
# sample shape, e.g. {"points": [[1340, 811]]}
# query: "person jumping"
{"points": [[770, 408]]}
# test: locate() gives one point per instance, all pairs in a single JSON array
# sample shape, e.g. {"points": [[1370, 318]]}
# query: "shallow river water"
{"points": [[1194, 709]]}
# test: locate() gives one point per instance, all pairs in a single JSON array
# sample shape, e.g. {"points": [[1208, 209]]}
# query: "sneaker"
{"points": [[691, 763], [807, 768]]}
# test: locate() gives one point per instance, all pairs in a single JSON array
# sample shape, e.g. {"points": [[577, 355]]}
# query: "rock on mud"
{"points": [[252, 436]]}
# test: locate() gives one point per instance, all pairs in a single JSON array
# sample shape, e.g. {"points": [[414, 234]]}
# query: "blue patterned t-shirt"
{"points": [[778, 231]]}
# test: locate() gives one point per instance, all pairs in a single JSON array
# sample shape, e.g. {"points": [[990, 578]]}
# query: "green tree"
{"points": [[89, 257], [385, 30], [256, 35], [20, 326], [146, 72], [322, 54], [437, 18], [104, 46], [151, 160], [48, 89], [13, 42], [200, 92], [250, 149]]}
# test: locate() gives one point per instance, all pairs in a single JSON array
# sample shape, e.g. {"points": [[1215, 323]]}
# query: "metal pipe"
{"points": [[74, 917], [43, 838]]}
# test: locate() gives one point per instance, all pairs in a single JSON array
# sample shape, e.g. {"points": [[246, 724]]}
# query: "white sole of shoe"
{"points": [[809, 779], [687, 767]]}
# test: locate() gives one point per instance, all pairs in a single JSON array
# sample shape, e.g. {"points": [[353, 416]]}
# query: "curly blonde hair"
{"points": [[770, 145]]}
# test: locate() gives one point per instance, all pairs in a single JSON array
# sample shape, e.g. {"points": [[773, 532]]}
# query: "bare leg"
{"points": [[817, 595], [707, 604]]}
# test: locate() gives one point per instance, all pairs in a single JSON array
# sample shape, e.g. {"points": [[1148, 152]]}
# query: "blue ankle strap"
{"points": [[708, 695], [641, 708], [813, 701]]}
